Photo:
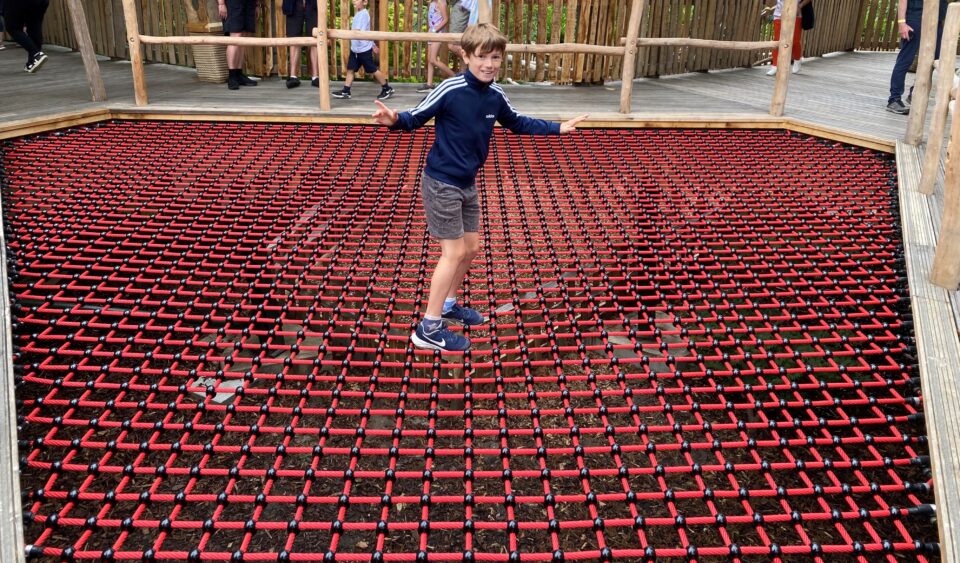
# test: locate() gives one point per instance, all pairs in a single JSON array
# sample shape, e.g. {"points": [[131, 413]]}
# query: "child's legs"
{"points": [[348, 80], [314, 62], [776, 37], [380, 77], [454, 262], [434, 61], [453, 217], [294, 61], [432, 49], [798, 40], [471, 242]]}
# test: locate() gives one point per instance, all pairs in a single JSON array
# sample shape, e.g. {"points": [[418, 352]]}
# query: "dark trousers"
{"points": [[908, 51], [24, 20]]}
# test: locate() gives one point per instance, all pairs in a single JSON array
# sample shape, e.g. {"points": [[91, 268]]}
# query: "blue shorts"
{"points": [[365, 60]]}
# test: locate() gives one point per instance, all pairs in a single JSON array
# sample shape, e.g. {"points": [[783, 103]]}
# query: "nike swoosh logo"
{"points": [[442, 343]]}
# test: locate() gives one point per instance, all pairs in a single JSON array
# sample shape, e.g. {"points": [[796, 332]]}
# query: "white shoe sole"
{"points": [[38, 64]]}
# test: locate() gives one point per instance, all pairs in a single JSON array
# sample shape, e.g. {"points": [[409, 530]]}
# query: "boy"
{"points": [[301, 14], [361, 54], [465, 108]]}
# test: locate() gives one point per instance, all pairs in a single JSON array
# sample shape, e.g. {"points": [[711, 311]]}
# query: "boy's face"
{"points": [[484, 66], [359, 4]]}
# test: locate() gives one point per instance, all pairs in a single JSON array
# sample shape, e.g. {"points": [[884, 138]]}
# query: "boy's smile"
{"points": [[484, 66]]}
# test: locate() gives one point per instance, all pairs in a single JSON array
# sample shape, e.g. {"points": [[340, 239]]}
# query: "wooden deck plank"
{"points": [[938, 349], [846, 91]]}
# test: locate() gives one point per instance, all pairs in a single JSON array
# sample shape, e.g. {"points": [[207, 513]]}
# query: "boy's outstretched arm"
{"points": [[571, 125], [384, 115]]}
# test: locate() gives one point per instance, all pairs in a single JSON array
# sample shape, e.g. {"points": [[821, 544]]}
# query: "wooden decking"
{"points": [[842, 94], [845, 92]]}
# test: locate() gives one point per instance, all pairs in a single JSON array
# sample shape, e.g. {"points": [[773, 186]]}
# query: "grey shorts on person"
{"points": [[451, 211], [459, 17]]}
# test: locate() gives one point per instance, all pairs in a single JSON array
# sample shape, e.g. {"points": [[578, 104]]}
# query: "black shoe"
{"points": [[35, 62], [897, 106], [385, 93], [232, 83], [245, 80], [293, 82], [315, 82], [342, 94]]}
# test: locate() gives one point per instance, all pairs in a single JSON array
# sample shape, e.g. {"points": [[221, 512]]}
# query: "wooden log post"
{"points": [[630, 54], [80, 30], [921, 88], [948, 59], [136, 52], [323, 60], [788, 21], [946, 260]]}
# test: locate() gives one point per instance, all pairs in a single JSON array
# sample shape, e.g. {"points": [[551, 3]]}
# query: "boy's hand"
{"points": [[571, 125], [385, 115]]}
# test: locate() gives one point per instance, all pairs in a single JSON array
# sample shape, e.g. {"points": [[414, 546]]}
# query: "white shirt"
{"points": [[779, 8], [361, 22]]}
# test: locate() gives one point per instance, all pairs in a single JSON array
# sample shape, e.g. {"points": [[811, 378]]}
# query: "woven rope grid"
{"points": [[699, 348]]}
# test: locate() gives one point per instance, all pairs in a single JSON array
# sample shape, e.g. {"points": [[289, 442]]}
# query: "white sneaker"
{"points": [[772, 71], [796, 67]]}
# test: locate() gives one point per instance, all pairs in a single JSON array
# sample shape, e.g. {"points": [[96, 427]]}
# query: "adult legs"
{"points": [[235, 53], [314, 63], [24, 21], [38, 8], [908, 50], [295, 61]]}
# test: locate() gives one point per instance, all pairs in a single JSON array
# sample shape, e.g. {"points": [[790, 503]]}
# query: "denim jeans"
{"points": [[908, 51]]}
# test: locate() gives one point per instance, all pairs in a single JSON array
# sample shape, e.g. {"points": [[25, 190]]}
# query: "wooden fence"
{"points": [[842, 25]]}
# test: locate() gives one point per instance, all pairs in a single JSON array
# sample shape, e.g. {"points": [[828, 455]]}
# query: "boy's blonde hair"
{"points": [[483, 38]]}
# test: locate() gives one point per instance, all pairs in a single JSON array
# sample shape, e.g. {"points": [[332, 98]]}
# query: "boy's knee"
{"points": [[472, 250]]}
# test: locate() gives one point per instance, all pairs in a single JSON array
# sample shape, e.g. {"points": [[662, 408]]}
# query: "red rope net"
{"points": [[699, 348]]}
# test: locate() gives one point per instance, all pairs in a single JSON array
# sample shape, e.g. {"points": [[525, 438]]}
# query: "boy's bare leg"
{"points": [[471, 243], [380, 77], [348, 80], [453, 253]]}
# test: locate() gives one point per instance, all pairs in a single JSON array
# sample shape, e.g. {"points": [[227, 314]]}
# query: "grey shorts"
{"points": [[459, 17], [451, 211]]}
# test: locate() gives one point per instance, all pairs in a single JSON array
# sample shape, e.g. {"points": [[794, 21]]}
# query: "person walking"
{"points": [[24, 20], [909, 17], [797, 52]]}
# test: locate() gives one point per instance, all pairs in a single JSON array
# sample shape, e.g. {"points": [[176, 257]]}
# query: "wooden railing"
{"points": [[842, 25], [627, 49], [946, 263]]}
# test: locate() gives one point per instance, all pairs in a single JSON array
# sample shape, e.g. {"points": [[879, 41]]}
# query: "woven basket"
{"points": [[211, 60]]}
